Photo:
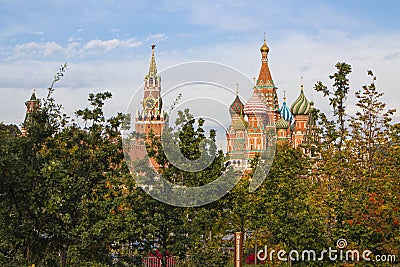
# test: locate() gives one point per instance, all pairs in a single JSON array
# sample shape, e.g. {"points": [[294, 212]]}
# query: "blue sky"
{"points": [[184, 24], [107, 45]]}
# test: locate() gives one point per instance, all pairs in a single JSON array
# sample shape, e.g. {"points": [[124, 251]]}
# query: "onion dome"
{"points": [[285, 111], [264, 48], [301, 106], [255, 105], [282, 124], [240, 124], [236, 107]]}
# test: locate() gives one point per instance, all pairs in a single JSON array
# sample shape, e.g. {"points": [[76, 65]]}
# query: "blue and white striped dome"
{"points": [[285, 113]]}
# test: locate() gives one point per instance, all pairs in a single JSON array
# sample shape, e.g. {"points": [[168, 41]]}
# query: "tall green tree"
{"points": [[167, 226], [372, 221], [356, 172], [60, 185], [286, 212], [79, 163], [333, 165], [23, 187]]}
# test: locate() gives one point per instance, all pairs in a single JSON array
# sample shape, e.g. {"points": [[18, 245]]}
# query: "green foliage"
{"points": [[287, 209], [54, 200], [357, 191], [337, 99]]}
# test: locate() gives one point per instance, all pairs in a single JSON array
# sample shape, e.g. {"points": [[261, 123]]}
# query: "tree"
{"points": [[356, 175], [167, 226], [23, 188], [287, 212], [79, 163], [60, 185], [338, 97], [334, 163], [372, 222]]}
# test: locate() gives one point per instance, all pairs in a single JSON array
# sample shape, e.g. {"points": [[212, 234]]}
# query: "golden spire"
{"points": [[153, 66], [284, 96], [237, 89]]}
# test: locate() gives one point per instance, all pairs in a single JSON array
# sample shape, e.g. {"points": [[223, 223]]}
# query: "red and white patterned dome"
{"points": [[255, 105]]}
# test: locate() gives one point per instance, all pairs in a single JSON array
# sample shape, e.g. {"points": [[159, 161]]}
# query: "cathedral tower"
{"points": [[266, 86]]}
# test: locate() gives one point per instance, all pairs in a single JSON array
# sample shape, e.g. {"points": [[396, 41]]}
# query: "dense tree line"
{"points": [[67, 197]]}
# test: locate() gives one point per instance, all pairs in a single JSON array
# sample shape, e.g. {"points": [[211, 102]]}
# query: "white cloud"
{"points": [[111, 44], [51, 50], [37, 33], [74, 39], [157, 37], [33, 49]]}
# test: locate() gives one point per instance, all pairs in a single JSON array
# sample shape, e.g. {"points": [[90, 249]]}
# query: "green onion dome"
{"points": [[301, 106], [282, 124]]}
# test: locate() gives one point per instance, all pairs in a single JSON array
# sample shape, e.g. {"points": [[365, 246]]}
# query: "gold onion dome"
{"points": [[301, 106], [282, 124], [264, 48], [255, 105]]}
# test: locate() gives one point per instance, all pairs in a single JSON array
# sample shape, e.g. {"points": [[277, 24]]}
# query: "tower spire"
{"points": [[265, 83], [301, 83], [264, 78], [237, 89], [284, 96], [153, 66]]}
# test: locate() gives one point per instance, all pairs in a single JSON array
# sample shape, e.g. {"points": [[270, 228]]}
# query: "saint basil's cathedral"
{"points": [[250, 121]]}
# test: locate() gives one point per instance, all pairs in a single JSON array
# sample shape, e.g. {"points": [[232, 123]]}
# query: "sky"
{"points": [[107, 47]]}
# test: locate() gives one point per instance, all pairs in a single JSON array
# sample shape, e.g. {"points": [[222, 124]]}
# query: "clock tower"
{"points": [[151, 117]]}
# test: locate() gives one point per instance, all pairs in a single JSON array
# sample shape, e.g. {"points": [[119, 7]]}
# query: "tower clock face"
{"points": [[149, 103]]}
